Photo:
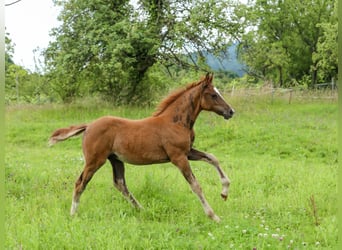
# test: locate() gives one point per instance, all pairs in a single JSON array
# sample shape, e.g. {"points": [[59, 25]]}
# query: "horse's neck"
{"points": [[186, 108]]}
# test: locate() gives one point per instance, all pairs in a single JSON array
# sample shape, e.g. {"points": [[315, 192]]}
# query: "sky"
{"points": [[29, 23]]}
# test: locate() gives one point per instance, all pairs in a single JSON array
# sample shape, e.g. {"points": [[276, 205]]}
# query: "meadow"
{"points": [[280, 157]]}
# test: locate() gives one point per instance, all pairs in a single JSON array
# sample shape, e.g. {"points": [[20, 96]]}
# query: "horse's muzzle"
{"points": [[229, 114]]}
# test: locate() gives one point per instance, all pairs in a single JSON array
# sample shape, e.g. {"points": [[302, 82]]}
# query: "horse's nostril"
{"points": [[231, 112]]}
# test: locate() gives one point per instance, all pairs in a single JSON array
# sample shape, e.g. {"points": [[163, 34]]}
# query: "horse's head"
{"points": [[212, 100]]}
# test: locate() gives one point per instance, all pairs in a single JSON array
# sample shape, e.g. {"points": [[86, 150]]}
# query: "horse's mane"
{"points": [[168, 100]]}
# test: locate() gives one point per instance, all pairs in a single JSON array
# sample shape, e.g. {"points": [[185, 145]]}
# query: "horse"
{"points": [[166, 136]]}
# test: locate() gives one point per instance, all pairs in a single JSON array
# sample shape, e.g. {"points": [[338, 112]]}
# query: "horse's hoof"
{"points": [[224, 197]]}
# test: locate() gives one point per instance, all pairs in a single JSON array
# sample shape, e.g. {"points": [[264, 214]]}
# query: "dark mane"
{"points": [[168, 100]]}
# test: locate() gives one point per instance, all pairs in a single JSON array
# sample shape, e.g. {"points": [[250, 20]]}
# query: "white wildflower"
{"points": [[275, 235]]}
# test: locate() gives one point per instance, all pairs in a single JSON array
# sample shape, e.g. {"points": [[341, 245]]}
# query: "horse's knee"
{"points": [[196, 187], [225, 182]]}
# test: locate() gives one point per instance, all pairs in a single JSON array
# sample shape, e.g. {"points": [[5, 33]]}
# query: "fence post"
{"points": [[273, 91], [290, 98]]}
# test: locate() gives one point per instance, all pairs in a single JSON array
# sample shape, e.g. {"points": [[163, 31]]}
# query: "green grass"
{"points": [[281, 159]]}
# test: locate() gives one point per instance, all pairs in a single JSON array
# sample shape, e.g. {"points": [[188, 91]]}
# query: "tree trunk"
{"points": [[314, 77], [281, 81]]}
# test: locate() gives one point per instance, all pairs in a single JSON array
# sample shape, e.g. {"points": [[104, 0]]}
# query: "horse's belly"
{"points": [[139, 152], [142, 159], [141, 142]]}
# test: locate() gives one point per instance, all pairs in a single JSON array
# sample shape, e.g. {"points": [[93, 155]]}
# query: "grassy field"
{"points": [[280, 157]]}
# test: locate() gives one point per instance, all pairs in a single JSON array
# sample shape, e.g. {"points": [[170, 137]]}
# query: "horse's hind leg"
{"points": [[119, 180], [82, 181], [196, 155]]}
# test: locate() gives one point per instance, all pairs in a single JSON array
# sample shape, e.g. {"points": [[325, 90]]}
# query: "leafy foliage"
{"points": [[326, 55], [9, 50], [108, 47], [21, 84], [132, 53], [284, 37]]}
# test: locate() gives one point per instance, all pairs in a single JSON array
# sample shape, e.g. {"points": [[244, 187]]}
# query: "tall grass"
{"points": [[281, 159]]}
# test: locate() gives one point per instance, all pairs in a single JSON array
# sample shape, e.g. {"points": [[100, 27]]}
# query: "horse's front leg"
{"points": [[196, 155], [183, 164]]}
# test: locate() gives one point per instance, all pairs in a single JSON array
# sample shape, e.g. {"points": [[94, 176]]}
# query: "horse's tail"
{"points": [[65, 133]]}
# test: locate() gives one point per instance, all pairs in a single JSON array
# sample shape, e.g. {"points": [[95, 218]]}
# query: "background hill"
{"points": [[229, 63]]}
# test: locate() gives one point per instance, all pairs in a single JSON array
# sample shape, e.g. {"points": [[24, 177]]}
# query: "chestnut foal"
{"points": [[166, 136]]}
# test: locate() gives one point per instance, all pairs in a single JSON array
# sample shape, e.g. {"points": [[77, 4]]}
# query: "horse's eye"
{"points": [[214, 96]]}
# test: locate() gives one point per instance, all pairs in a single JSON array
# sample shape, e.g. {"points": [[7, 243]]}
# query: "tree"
{"points": [[13, 73], [283, 36], [326, 57], [83, 47], [9, 50], [191, 28], [21, 84], [111, 45]]}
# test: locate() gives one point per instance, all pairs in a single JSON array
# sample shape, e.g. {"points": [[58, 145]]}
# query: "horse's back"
{"points": [[115, 125], [137, 142]]}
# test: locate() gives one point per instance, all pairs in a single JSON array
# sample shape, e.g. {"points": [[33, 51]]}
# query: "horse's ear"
{"points": [[208, 80], [211, 76], [207, 76]]}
